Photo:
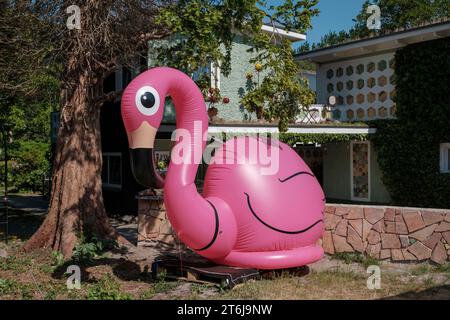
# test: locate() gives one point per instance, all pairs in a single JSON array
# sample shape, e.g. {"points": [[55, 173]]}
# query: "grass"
{"points": [[10, 287], [7, 286], [323, 285], [159, 286], [426, 268], [40, 275], [16, 264], [359, 258], [106, 288]]}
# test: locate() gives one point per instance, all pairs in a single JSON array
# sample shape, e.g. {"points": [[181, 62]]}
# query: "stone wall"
{"points": [[398, 234], [153, 225]]}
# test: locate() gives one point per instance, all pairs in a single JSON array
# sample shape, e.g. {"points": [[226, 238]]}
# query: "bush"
{"points": [[91, 247], [28, 164], [106, 288]]}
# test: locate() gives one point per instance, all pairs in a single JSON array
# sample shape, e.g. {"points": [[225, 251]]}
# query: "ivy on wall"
{"points": [[293, 138], [306, 138], [408, 148]]}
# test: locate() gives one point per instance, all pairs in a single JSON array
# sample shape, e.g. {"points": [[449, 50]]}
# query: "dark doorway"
{"points": [[313, 156]]}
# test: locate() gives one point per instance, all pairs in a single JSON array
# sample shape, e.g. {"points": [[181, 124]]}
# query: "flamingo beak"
{"points": [[141, 142]]}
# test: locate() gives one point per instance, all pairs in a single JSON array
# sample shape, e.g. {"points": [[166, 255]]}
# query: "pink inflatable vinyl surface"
{"points": [[257, 214]]}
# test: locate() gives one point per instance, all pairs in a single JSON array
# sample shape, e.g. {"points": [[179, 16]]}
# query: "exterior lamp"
{"points": [[327, 113]]}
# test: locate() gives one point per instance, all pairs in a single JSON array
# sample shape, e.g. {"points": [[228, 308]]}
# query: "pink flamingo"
{"points": [[243, 218]]}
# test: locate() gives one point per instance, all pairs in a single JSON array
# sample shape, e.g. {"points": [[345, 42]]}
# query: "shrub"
{"points": [[106, 288], [29, 163]]}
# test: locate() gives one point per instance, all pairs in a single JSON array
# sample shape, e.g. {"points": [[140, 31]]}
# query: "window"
{"points": [[123, 77], [112, 171], [445, 158], [360, 171]]}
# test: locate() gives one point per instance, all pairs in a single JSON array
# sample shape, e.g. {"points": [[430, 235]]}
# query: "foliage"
{"points": [[356, 257], [16, 264], [13, 287], [106, 288], [91, 247], [395, 14], [27, 96], [205, 31], [332, 38], [7, 286], [408, 148], [29, 163], [57, 258], [282, 94], [323, 138], [160, 285]]}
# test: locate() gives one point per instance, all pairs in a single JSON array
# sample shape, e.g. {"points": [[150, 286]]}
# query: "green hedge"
{"points": [[293, 138], [408, 148]]}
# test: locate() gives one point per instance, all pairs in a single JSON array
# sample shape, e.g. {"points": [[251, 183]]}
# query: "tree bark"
{"points": [[76, 203]]}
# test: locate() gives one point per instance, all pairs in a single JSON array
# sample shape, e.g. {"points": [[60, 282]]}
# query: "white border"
{"points": [[444, 161], [369, 171]]}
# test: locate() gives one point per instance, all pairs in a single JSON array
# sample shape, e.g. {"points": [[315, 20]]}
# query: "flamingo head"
{"points": [[142, 110]]}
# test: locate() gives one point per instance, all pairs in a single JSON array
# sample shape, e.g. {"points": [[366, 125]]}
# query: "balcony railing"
{"points": [[316, 113]]}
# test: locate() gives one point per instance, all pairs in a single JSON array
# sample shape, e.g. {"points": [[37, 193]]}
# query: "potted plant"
{"points": [[213, 98]]}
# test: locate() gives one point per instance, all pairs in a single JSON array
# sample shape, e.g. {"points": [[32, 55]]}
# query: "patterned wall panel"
{"points": [[364, 87]]}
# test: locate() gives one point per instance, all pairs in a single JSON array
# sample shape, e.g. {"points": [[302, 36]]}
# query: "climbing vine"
{"points": [[408, 148], [293, 138]]}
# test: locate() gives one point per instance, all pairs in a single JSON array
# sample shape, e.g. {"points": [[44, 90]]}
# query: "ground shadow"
{"points": [[122, 268], [21, 224], [435, 293]]}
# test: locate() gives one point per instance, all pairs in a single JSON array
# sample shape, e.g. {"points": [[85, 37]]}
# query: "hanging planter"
{"points": [[212, 112], [213, 98]]}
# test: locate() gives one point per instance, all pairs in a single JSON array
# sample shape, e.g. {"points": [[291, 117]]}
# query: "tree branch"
{"points": [[107, 97]]}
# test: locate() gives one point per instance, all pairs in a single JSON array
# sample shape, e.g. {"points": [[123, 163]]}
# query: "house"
{"points": [[119, 187], [361, 76], [333, 141]]}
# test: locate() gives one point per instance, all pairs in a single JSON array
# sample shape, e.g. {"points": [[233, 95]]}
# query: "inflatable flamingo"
{"points": [[243, 218]]}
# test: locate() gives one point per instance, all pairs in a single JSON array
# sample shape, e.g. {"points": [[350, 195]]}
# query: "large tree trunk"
{"points": [[76, 204]]}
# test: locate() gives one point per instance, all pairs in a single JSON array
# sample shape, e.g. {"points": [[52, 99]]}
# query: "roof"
{"points": [[290, 35], [378, 44], [252, 128]]}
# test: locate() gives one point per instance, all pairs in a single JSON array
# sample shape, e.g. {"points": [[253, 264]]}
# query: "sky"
{"points": [[335, 15]]}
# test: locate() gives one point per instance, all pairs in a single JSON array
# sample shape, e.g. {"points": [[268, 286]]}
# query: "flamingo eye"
{"points": [[147, 100]]}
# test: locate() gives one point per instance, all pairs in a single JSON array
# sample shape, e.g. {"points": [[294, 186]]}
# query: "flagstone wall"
{"points": [[395, 233], [153, 224]]}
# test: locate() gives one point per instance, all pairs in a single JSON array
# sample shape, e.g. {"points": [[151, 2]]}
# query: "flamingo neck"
{"points": [[191, 122]]}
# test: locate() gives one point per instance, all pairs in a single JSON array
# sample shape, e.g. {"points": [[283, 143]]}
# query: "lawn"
{"points": [[123, 274]]}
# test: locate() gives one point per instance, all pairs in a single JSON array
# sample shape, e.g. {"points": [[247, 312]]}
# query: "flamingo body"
{"points": [[260, 208], [279, 217]]}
